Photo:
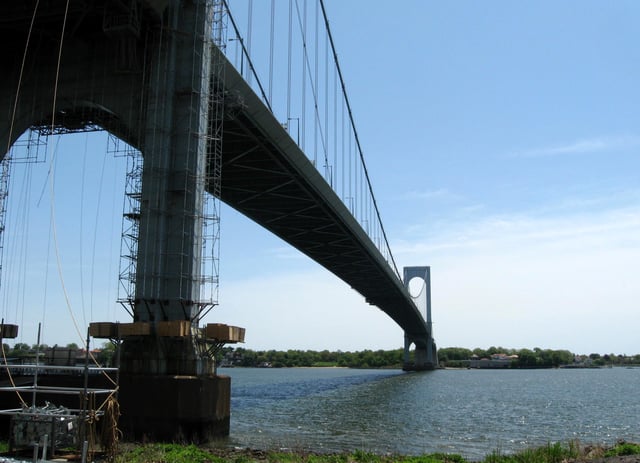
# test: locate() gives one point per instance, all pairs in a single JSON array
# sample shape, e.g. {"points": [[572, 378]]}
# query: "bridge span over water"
{"points": [[152, 73], [269, 179]]}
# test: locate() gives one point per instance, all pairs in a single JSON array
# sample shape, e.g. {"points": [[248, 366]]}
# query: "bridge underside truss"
{"points": [[266, 177]]}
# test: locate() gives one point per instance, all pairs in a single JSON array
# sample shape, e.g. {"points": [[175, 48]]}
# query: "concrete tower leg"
{"points": [[425, 356], [169, 381], [170, 237]]}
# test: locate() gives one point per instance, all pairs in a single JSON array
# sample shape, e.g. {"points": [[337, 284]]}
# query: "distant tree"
{"points": [[449, 354], [106, 356], [481, 353], [527, 358], [20, 349]]}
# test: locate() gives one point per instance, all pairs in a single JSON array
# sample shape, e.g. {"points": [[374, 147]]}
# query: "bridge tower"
{"points": [[142, 70], [169, 380], [425, 354]]}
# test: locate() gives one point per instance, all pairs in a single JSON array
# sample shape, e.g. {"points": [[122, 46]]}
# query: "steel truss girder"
{"points": [[267, 178]]}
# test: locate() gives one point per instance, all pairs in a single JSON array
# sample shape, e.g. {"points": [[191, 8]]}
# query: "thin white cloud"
{"points": [[508, 232], [522, 280], [441, 193], [584, 146], [527, 280]]}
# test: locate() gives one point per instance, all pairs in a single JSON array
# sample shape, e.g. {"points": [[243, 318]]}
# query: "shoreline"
{"points": [[571, 452]]}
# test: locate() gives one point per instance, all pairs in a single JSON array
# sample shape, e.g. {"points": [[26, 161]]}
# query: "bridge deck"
{"points": [[290, 198]]}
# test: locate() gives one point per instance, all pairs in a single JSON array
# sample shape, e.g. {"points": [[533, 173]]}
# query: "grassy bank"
{"points": [[174, 453]]}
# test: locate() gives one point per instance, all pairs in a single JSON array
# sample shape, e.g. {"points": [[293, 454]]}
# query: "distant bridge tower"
{"points": [[425, 355]]}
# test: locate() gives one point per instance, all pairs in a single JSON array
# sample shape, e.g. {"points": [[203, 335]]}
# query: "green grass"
{"points": [[550, 453], [623, 448], [168, 453]]}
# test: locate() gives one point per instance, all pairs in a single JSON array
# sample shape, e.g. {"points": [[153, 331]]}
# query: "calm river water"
{"points": [[470, 412]]}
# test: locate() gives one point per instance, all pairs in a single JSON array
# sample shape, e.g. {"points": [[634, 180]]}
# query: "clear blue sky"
{"points": [[503, 143]]}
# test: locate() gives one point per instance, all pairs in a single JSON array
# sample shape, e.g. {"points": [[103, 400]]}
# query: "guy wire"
{"points": [[51, 183]]}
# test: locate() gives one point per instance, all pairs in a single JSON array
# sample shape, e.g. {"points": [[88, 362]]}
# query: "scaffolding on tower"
{"points": [[210, 257], [130, 220]]}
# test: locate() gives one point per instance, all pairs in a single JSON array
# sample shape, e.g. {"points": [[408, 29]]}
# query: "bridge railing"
{"points": [[285, 51]]}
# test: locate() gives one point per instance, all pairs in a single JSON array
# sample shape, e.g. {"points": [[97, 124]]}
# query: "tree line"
{"points": [[448, 357], [308, 358], [458, 357]]}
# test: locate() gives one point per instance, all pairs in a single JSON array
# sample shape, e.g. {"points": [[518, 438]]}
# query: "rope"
{"points": [[91, 420], [81, 229], [110, 432], [95, 236], [13, 384]]}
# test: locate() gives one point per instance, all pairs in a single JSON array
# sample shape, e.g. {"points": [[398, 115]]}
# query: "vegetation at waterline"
{"points": [[450, 357], [551, 453], [298, 358], [458, 357]]}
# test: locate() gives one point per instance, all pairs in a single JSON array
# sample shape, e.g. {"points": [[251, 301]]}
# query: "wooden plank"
{"points": [[176, 328]]}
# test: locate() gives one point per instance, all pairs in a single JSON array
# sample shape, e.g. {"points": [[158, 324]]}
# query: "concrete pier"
{"points": [[174, 408]]}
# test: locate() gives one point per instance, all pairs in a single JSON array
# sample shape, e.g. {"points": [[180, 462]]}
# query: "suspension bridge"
{"points": [[209, 111]]}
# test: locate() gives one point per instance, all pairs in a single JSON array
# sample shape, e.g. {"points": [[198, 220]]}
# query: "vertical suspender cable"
{"points": [[350, 173], [334, 175], [315, 102], [289, 49], [271, 44], [335, 57], [245, 52], [304, 74], [326, 109], [249, 29], [342, 154], [314, 91]]}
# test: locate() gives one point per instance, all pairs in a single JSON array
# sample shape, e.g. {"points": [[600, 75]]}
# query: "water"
{"points": [[470, 412]]}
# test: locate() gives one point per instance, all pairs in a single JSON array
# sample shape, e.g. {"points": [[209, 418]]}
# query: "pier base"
{"points": [[174, 408], [422, 361]]}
